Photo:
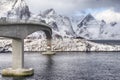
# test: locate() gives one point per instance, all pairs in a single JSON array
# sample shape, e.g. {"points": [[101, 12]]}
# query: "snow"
{"points": [[86, 26], [60, 45], [63, 23], [19, 10], [95, 29], [64, 29], [5, 5], [111, 32]]}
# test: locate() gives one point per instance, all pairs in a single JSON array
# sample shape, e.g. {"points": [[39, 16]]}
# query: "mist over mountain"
{"points": [[85, 26]]}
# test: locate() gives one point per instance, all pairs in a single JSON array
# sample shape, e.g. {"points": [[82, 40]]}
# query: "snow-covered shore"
{"points": [[60, 45]]}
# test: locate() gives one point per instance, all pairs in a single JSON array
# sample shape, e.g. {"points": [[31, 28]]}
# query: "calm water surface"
{"points": [[68, 66]]}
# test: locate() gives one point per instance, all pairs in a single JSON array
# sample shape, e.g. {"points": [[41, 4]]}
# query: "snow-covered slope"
{"points": [[19, 10], [60, 24], [90, 28], [5, 5], [59, 45], [84, 26], [110, 31]]}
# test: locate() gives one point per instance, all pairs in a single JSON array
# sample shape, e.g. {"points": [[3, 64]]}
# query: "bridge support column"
{"points": [[17, 60], [17, 53], [49, 48]]}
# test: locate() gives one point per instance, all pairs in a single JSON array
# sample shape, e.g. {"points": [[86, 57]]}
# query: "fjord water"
{"points": [[68, 66]]}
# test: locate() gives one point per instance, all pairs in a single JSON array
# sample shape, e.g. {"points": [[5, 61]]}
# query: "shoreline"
{"points": [[66, 45]]}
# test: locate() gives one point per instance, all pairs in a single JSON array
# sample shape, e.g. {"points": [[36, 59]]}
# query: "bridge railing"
{"points": [[4, 20]]}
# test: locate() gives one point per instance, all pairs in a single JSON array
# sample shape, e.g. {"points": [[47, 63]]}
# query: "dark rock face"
{"points": [[86, 19], [5, 49], [113, 23], [54, 26]]}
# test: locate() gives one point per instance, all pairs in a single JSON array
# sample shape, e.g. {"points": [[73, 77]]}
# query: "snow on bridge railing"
{"points": [[4, 20]]}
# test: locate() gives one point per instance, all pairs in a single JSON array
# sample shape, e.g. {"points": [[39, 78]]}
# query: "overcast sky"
{"points": [[67, 6], [78, 7]]}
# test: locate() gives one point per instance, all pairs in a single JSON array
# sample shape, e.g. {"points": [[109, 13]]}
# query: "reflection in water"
{"points": [[49, 62], [19, 78], [48, 70]]}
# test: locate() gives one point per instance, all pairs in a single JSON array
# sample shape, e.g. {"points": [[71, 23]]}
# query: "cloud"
{"points": [[59, 5], [73, 7], [108, 15], [69, 6]]}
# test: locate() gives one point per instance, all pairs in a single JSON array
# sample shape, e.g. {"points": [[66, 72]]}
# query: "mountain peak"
{"points": [[49, 12], [19, 10], [89, 17], [19, 3]]}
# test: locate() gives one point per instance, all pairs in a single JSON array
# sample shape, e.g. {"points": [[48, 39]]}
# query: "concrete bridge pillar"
{"points": [[49, 44], [17, 53], [18, 31], [49, 48], [17, 60]]}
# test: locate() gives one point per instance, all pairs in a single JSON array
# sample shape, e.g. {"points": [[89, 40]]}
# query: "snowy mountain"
{"points": [[19, 10], [90, 28], [59, 23], [111, 31], [5, 5], [85, 26]]}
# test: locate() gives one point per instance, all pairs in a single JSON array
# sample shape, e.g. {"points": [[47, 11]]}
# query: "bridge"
{"points": [[17, 30]]}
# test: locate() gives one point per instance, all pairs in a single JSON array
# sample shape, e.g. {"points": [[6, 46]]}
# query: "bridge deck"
{"points": [[28, 26]]}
